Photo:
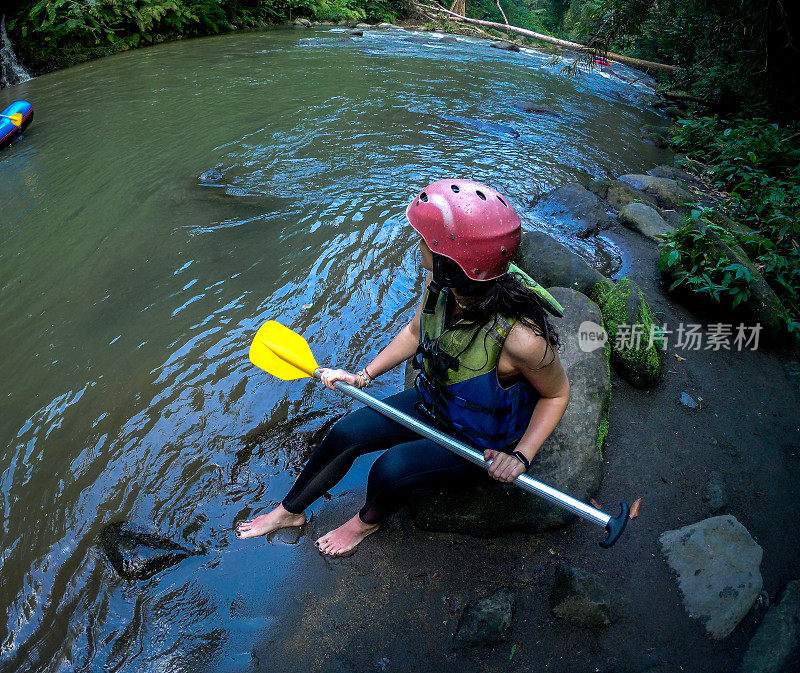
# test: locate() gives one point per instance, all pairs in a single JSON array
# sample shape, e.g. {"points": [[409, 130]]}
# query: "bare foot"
{"points": [[266, 523], [346, 537]]}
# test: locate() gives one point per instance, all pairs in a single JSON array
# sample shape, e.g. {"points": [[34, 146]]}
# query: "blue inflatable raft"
{"points": [[8, 130]]}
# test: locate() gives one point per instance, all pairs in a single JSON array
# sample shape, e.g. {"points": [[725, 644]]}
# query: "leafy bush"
{"points": [[58, 31], [757, 164], [690, 257]]}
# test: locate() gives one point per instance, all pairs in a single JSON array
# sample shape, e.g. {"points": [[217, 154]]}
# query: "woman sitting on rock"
{"points": [[488, 371]]}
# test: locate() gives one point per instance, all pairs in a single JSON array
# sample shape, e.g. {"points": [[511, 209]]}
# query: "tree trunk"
{"points": [[505, 18], [459, 7]]}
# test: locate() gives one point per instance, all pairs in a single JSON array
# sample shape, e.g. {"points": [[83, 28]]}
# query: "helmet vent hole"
{"points": [[500, 199], [423, 197], [481, 195], [455, 189]]}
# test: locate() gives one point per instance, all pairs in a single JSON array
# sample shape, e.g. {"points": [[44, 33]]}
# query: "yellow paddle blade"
{"points": [[16, 118], [283, 353]]}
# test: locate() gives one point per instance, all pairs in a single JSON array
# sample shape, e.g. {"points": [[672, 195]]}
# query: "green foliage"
{"points": [[690, 256], [733, 54], [56, 29], [757, 163]]}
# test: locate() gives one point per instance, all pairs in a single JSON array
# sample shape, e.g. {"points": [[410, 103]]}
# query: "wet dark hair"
{"points": [[506, 296]]}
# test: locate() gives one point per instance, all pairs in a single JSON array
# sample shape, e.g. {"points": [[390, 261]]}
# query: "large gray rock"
{"points": [[580, 598], [645, 220], [618, 194], [486, 621], [667, 191], [570, 460], [137, 553], [574, 209], [778, 636], [672, 173], [553, 265], [718, 567]]}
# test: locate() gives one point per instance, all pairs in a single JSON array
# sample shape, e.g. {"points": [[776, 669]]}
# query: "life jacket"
{"points": [[457, 376]]}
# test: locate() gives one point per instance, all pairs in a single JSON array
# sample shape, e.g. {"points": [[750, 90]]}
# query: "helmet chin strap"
{"points": [[442, 279]]}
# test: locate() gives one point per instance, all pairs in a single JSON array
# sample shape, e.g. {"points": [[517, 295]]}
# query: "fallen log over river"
{"points": [[564, 44]]}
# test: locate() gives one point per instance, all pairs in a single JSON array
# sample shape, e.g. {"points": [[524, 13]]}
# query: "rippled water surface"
{"points": [[129, 295]]}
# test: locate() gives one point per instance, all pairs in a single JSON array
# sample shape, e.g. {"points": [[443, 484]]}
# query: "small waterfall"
{"points": [[11, 72]]}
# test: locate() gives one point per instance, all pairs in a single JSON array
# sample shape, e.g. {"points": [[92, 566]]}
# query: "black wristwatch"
{"points": [[522, 459]]}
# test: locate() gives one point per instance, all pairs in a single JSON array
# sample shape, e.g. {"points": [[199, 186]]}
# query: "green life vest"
{"points": [[457, 379]]}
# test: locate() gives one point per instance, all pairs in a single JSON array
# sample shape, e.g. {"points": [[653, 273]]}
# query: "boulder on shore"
{"points": [[137, 553], [570, 460], [645, 220], [777, 637], [486, 621], [667, 191], [573, 209], [580, 598], [717, 563], [618, 194], [551, 264], [632, 334]]}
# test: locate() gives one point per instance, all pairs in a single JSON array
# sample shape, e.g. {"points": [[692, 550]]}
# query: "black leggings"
{"points": [[412, 461]]}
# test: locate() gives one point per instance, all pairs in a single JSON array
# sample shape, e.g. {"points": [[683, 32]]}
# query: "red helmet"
{"points": [[468, 222]]}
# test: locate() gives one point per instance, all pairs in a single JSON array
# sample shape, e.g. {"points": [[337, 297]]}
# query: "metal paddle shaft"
{"points": [[613, 525]]}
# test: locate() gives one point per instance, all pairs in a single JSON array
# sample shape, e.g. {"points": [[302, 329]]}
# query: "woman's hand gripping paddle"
{"points": [[16, 118], [283, 353]]}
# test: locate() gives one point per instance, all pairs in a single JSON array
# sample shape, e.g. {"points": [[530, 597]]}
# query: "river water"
{"points": [[129, 295]]}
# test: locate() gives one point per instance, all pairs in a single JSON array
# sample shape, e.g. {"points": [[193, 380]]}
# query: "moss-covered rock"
{"points": [[629, 323]]}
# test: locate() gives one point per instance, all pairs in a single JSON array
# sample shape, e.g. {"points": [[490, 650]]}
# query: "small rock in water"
{"points": [[688, 401], [535, 108], [778, 636], [447, 39], [486, 621], [212, 175], [355, 33], [137, 553], [504, 46], [714, 493], [580, 598], [717, 563]]}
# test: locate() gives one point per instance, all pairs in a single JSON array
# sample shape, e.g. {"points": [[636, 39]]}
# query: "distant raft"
{"points": [[8, 129]]}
